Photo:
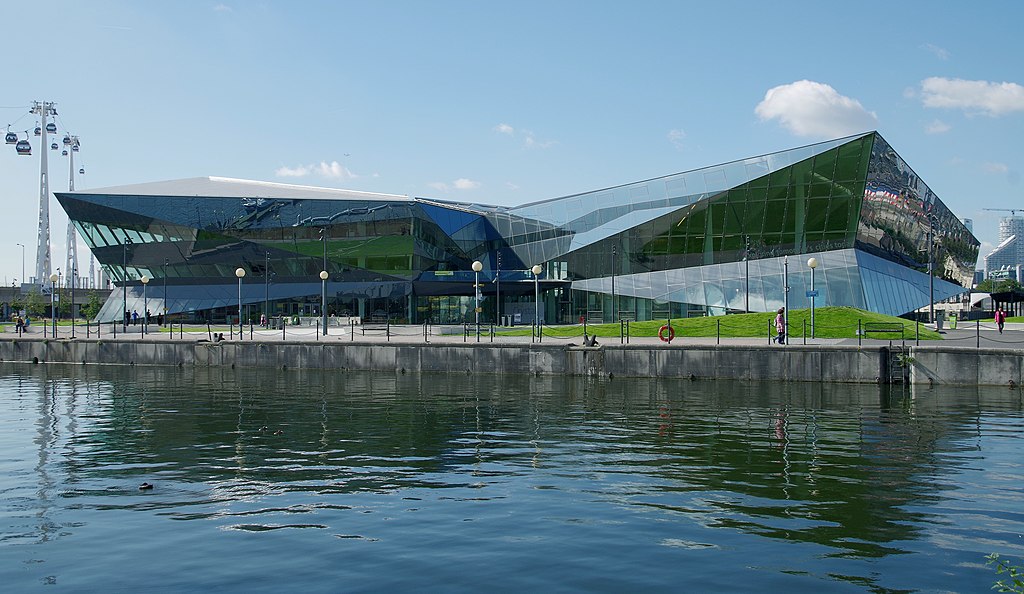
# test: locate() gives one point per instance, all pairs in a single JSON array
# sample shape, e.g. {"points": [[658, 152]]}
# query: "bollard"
{"points": [[805, 332], [977, 333], [425, 332], [387, 329], [318, 328], [250, 330]]}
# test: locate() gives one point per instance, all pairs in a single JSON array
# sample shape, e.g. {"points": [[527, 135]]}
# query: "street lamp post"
{"points": [[785, 290], [614, 261], [240, 272], [746, 273], [23, 279], [477, 267], [145, 304], [931, 270], [124, 280], [812, 263], [164, 308], [53, 310], [266, 286], [537, 269], [497, 296], [323, 298], [74, 275]]}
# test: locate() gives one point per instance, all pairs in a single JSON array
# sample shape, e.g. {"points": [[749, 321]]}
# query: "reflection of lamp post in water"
{"points": [[812, 263]]}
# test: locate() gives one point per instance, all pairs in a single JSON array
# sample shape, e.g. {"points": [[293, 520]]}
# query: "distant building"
{"points": [[1010, 251], [705, 242]]}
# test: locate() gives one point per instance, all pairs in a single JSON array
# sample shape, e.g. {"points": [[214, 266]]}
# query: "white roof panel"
{"points": [[227, 187]]}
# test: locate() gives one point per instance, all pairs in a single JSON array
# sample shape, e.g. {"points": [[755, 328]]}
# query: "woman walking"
{"points": [[780, 326]]}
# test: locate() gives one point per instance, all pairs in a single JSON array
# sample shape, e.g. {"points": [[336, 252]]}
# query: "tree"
{"points": [[991, 285], [89, 310], [34, 304]]}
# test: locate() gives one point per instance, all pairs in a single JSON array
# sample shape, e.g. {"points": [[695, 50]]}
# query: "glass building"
{"points": [[704, 242]]}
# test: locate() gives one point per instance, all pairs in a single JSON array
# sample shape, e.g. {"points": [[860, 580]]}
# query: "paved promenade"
{"points": [[967, 335]]}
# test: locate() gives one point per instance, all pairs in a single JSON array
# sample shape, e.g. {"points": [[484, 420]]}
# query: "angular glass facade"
{"points": [[707, 241]]}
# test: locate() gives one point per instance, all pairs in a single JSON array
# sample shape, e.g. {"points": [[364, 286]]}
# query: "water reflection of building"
{"points": [[707, 241]]}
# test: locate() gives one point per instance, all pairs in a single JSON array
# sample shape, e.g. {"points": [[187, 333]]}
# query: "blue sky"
{"points": [[504, 103]]}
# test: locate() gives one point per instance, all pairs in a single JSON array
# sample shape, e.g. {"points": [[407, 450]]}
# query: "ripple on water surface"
{"points": [[276, 480]]}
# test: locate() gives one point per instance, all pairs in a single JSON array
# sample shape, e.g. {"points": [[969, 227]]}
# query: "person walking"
{"points": [[1000, 318], [780, 326]]}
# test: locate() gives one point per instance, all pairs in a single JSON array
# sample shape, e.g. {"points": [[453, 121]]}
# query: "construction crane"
{"points": [[1012, 211]]}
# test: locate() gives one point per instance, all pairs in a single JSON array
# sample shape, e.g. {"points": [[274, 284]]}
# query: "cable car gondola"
{"points": [[51, 128], [82, 171], [67, 139], [12, 138], [23, 147], [54, 146], [74, 147], [38, 130], [64, 153]]}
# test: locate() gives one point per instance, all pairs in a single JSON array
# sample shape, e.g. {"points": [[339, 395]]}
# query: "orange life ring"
{"points": [[666, 333]]}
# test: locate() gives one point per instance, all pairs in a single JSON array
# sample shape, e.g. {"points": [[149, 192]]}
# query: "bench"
{"points": [[385, 328], [883, 328]]}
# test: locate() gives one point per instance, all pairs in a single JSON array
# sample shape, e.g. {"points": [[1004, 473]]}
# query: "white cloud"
{"points": [[937, 127], [676, 137], [995, 167], [808, 108], [300, 171], [530, 141], [222, 8], [973, 96], [939, 52], [332, 170], [465, 184], [511, 186], [527, 136], [460, 184]]}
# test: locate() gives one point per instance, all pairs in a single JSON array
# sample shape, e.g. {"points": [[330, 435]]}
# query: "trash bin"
{"points": [[952, 321], [939, 319]]}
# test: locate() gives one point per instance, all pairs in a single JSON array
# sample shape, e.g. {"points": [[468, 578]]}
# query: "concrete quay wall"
{"points": [[815, 363]]}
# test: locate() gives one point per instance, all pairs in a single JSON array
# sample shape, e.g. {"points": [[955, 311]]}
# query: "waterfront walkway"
{"points": [[967, 335]]}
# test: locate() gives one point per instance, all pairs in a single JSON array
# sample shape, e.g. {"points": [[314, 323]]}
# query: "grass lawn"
{"points": [[829, 322]]}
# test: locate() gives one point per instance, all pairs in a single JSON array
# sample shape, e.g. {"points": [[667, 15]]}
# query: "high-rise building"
{"points": [[1010, 252]]}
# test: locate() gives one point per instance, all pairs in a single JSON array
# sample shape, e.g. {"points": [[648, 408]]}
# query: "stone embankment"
{"points": [[876, 363]]}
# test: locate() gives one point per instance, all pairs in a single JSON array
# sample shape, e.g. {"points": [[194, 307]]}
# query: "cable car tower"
{"points": [[43, 109], [71, 146]]}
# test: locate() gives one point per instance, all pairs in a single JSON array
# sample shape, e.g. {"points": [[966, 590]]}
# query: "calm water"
{"points": [[299, 481]]}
